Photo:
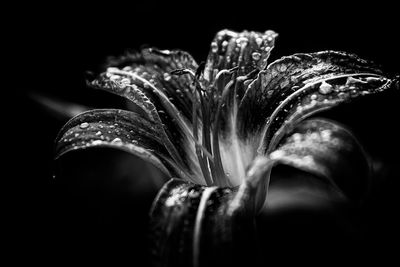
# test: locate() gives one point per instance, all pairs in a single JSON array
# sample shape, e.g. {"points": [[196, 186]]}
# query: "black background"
{"points": [[53, 45]]}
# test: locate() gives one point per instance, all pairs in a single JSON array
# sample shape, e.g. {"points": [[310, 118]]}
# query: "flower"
{"points": [[220, 127]]}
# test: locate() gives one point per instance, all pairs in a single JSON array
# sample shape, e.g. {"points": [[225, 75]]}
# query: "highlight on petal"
{"points": [[146, 79]]}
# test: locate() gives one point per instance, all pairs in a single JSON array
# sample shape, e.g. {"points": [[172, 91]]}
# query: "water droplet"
{"points": [[335, 142], [214, 47], [313, 97], [267, 48], [97, 142], [283, 68], [225, 43], [314, 136], [326, 134], [325, 88], [98, 133], [372, 79], [112, 69], [308, 159], [167, 77], [125, 81], [116, 141], [259, 41], [114, 77], [84, 125], [269, 33], [242, 41], [296, 137], [76, 134], [194, 194], [256, 56], [277, 154]]}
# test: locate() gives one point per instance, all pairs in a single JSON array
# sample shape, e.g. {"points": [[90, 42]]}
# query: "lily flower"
{"points": [[219, 128]]}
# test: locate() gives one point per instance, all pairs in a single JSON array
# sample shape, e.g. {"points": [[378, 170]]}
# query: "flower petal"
{"points": [[245, 50], [327, 150], [166, 99], [155, 66], [117, 129], [192, 225], [294, 87]]}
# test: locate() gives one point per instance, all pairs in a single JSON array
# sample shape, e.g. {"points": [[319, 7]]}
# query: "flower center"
{"points": [[214, 109]]}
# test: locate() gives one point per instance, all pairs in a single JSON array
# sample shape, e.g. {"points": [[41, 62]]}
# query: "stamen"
{"points": [[198, 146], [240, 168], [208, 162], [171, 110], [220, 173]]}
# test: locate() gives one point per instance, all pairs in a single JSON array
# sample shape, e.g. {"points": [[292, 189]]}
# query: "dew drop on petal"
{"points": [[214, 47], [167, 77], [372, 79], [84, 125], [313, 97], [116, 141], [98, 133], [259, 41], [296, 137], [325, 88], [277, 154], [194, 194], [256, 56], [326, 134], [97, 142]]}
